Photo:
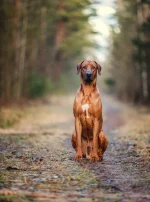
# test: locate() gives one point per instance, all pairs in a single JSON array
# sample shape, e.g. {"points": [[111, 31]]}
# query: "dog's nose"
{"points": [[88, 73]]}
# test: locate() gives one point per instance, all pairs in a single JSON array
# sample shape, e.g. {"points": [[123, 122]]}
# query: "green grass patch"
{"points": [[93, 181], [9, 117], [2, 179], [14, 198]]}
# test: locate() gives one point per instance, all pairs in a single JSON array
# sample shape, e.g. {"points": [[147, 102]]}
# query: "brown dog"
{"points": [[88, 139]]}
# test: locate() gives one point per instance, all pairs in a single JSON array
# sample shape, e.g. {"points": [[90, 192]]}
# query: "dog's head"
{"points": [[88, 70]]}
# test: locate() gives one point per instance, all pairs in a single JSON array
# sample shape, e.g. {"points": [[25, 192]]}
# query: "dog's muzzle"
{"points": [[88, 74], [88, 78]]}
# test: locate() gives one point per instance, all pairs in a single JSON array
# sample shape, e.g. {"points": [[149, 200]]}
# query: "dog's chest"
{"points": [[85, 109], [86, 115]]}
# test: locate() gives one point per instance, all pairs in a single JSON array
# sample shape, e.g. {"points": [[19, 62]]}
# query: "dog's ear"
{"points": [[98, 68], [79, 67]]}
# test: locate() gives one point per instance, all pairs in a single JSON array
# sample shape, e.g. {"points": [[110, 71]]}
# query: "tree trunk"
{"points": [[16, 47], [138, 95], [43, 41], [23, 42], [59, 36]]}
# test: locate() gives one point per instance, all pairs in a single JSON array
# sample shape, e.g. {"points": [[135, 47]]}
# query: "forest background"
{"points": [[43, 41]]}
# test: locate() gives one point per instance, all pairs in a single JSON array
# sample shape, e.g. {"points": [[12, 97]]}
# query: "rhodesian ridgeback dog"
{"points": [[88, 139]]}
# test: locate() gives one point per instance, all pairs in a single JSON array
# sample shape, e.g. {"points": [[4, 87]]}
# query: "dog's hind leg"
{"points": [[103, 143], [74, 140]]}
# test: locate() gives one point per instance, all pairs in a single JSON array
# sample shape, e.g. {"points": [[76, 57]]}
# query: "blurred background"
{"points": [[43, 41]]}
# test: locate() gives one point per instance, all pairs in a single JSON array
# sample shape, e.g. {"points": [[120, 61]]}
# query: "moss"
{"points": [[93, 181], [14, 198], [2, 179]]}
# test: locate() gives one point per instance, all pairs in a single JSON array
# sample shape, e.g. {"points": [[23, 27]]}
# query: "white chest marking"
{"points": [[85, 107]]}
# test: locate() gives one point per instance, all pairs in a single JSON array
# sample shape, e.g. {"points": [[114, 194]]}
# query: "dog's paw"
{"points": [[78, 157], [100, 157], [94, 157]]}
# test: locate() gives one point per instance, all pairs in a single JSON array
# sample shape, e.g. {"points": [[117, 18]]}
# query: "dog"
{"points": [[88, 139]]}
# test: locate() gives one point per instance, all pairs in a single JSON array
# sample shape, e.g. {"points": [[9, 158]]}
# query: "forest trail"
{"points": [[36, 161]]}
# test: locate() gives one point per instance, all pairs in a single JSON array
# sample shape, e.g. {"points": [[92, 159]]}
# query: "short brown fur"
{"points": [[88, 139]]}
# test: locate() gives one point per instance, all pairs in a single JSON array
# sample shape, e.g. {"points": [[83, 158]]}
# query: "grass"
{"points": [[2, 179], [137, 130], [14, 198], [9, 116]]}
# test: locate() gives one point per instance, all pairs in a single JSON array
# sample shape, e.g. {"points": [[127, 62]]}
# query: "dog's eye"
{"points": [[93, 67], [84, 67]]}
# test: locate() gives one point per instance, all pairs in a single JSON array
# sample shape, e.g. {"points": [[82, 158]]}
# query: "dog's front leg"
{"points": [[78, 128], [96, 131]]}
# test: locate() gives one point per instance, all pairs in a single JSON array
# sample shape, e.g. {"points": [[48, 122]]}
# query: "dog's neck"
{"points": [[87, 89]]}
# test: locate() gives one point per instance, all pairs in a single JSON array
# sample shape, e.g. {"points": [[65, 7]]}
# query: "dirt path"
{"points": [[36, 159]]}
